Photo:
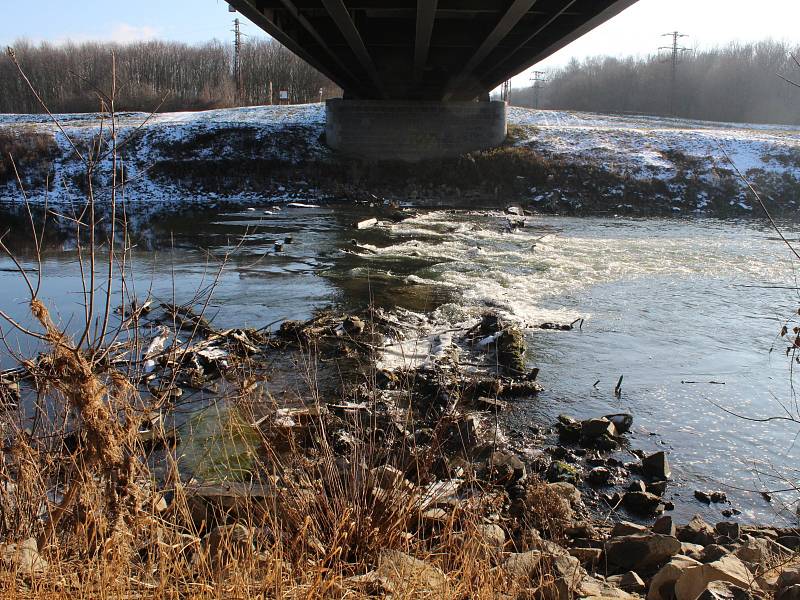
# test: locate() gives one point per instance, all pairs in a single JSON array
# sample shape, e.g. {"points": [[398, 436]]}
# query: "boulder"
{"points": [[790, 593], [599, 476], [657, 487], [656, 466], [788, 577], [627, 528], [491, 534], [730, 529], [643, 503], [594, 428], [664, 525], [228, 542], [622, 422], [505, 468], [528, 568], [713, 552], [697, 531], [724, 590], [569, 430], [588, 557], [567, 491], [729, 568], [24, 557], [662, 585], [790, 541], [639, 552], [759, 550], [629, 582], [386, 477], [593, 588], [562, 471], [403, 574]]}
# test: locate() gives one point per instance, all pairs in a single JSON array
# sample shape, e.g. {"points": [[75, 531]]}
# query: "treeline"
{"points": [[192, 77], [738, 82]]}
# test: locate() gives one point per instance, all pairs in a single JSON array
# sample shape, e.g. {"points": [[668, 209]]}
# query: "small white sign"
{"points": [[283, 95]]}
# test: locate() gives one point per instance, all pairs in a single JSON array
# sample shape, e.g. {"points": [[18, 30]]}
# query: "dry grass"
{"points": [[32, 151]]}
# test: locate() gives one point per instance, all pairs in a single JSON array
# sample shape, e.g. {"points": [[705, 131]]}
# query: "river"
{"points": [[688, 311]]}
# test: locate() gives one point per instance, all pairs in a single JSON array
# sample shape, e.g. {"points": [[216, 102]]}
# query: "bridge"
{"points": [[412, 70]]}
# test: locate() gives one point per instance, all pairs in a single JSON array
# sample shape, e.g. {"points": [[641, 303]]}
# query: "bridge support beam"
{"points": [[413, 130]]}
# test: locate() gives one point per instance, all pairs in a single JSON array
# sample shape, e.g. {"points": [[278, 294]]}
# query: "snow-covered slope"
{"points": [[637, 148]]}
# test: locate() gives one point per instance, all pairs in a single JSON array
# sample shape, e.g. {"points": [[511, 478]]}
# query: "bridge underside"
{"points": [[410, 68], [425, 49]]}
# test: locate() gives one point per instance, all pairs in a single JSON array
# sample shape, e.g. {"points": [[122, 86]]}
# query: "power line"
{"points": [[676, 58], [537, 78]]}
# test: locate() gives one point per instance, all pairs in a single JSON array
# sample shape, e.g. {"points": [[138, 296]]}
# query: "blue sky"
{"points": [[636, 31]]}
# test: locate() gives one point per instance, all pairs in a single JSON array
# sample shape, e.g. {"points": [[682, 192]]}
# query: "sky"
{"points": [[637, 31]]}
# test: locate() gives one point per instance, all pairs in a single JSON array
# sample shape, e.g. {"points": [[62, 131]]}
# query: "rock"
{"points": [[643, 503], [227, 542], [622, 422], [24, 557], [567, 491], [664, 525], [662, 585], [492, 535], [656, 466], [694, 551], [594, 428], [627, 528], [789, 577], [724, 590], [403, 573], [569, 430], [729, 529], [511, 352], [694, 580], [640, 551], [790, 541], [589, 557], [657, 487], [697, 531], [217, 503], [605, 443], [505, 468], [599, 476], [760, 550], [562, 471], [713, 552], [564, 570], [637, 486], [790, 593], [629, 582], [387, 477], [591, 587], [353, 326], [490, 404], [702, 496]]}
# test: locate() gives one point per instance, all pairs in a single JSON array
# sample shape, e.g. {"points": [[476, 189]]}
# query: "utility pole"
{"points": [[675, 58], [537, 78], [505, 92], [237, 60]]}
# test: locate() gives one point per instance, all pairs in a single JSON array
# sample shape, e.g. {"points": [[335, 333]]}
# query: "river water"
{"points": [[688, 311]]}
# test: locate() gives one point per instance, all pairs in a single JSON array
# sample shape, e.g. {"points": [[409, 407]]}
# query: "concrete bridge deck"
{"points": [[425, 50]]}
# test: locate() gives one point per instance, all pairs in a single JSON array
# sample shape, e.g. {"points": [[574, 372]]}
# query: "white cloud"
{"points": [[124, 32]]}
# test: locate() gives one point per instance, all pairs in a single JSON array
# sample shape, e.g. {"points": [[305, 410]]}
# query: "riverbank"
{"points": [[554, 161], [346, 456]]}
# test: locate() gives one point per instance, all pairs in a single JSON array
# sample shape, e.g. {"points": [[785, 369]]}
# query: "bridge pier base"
{"points": [[411, 130]]}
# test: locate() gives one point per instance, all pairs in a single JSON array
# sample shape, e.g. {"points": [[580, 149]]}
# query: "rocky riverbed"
{"points": [[425, 432]]}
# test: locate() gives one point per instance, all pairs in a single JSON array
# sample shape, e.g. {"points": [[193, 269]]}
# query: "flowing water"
{"points": [[688, 311]]}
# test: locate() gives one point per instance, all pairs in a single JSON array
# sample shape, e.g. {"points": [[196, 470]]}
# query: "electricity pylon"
{"points": [[675, 58]]}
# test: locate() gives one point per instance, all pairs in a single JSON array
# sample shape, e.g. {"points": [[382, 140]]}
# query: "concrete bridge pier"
{"points": [[413, 130]]}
